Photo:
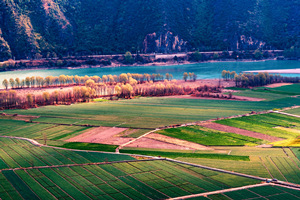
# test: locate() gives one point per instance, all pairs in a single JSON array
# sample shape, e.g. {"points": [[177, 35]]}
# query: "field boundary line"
{"points": [[232, 190], [284, 113], [218, 170], [220, 191], [66, 149], [277, 168], [262, 162], [294, 155], [127, 143], [82, 164]]}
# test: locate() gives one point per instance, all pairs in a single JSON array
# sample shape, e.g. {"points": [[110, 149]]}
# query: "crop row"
{"points": [[263, 192], [18, 153], [288, 169], [111, 181]]}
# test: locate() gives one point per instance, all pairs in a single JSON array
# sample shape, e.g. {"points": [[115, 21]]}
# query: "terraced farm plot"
{"points": [[130, 180], [156, 112], [19, 153], [263, 192], [268, 124], [209, 137]]}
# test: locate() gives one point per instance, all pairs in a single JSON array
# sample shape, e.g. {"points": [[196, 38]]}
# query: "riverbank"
{"points": [[120, 60], [116, 64], [277, 71]]}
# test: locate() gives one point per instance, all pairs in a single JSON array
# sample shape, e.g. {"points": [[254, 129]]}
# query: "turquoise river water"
{"points": [[203, 70]]}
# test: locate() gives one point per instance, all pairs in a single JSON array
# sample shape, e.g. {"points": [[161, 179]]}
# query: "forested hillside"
{"points": [[50, 28]]}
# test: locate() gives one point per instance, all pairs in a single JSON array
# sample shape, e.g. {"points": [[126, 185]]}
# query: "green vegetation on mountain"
{"points": [[50, 28]]}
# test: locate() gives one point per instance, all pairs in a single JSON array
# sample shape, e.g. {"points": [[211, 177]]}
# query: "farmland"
{"points": [[263, 192], [20, 153], [43, 172], [270, 94], [157, 112], [279, 163], [63, 179], [273, 124], [136, 180], [209, 137]]}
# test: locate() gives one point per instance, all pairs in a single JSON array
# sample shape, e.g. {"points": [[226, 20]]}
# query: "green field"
{"points": [[295, 111], [134, 180], [269, 94], [263, 192], [273, 124], [148, 112], [20, 153], [277, 163], [173, 154], [210, 137], [10, 127]]}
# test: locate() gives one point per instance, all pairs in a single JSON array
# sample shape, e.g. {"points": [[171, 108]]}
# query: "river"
{"points": [[203, 70]]}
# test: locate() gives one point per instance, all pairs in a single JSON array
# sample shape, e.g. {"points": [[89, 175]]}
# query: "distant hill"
{"points": [[50, 28]]}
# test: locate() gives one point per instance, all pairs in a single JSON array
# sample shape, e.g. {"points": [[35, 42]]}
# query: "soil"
{"points": [[108, 135], [239, 131], [275, 85], [155, 144], [176, 141], [102, 135]]}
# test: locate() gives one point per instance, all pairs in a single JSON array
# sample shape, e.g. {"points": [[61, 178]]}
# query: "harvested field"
{"points": [[176, 141], [155, 144], [244, 98], [230, 129], [275, 85], [103, 135]]}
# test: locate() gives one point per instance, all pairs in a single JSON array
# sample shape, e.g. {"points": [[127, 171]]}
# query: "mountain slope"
{"points": [[35, 28]]}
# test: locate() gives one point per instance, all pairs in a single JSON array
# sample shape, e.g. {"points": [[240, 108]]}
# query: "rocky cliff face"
{"points": [[166, 42]]}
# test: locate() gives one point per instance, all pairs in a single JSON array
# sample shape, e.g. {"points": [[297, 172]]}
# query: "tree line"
{"points": [[65, 80], [123, 86], [254, 80]]}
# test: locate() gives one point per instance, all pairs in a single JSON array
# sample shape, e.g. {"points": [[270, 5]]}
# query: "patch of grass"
{"points": [[100, 100], [236, 88], [261, 94], [295, 111], [89, 146], [187, 155], [209, 137]]}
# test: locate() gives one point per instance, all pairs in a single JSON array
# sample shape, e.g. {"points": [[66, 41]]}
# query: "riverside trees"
{"points": [[65, 80], [254, 80]]}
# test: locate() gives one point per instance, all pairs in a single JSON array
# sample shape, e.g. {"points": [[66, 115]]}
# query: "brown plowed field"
{"points": [[275, 85], [103, 135], [176, 141], [230, 129], [155, 144]]}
